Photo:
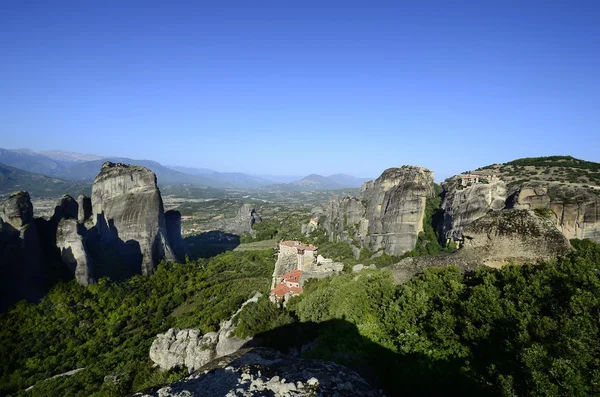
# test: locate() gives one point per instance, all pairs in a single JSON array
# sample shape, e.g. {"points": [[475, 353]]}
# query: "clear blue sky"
{"points": [[296, 87]]}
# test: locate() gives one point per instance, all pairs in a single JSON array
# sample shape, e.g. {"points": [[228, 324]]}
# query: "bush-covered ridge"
{"points": [[556, 161], [523, 330], [108, 327]]}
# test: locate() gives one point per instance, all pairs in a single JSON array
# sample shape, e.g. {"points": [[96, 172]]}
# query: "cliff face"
{"points": [[574, 211], [464, 205], [70, 240], [387, 214], [21, 271], [495, 239], [128, 211]]}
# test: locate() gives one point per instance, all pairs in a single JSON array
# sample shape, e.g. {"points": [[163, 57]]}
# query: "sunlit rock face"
{"points": [[127, 209], [573, 210], [387, 214], [462, 206]]}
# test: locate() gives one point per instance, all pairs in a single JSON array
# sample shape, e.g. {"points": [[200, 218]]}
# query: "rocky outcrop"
{"points": [[575, 211], [128, 214], [388, 213], [188, 348], [70, 240], [84, 208], [262, 371], [21, 271], [66, 208], [173, 224], [514, 235], [496, 239], [242, 223], [463, 205]]}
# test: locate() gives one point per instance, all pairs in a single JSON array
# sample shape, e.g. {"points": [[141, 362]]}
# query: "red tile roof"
{"points": [[293, 276], [281, 290], [299, 245]]}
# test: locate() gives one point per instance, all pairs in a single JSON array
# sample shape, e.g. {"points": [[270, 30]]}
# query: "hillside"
{"points": [[13, 179], [555, 169]]}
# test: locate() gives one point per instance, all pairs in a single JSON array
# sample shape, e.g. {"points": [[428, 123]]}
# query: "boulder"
{"points": [[388, 213], [266, 372]]}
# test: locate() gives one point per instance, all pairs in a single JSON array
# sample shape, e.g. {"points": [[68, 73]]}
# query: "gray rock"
{"points": [[85, 208], [21, 272], [573, 210], [173, 224], [518, 235], [496, 239], [387, 214], [464, 205], [261, 372], [70, 241], [66, 208], [357, 268], [188, 348], [17, 210], [127, 208], [245, 217], [183, 348]]}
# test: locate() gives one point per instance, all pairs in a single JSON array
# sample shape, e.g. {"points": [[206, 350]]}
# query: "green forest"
{"points": [[527, 330]]}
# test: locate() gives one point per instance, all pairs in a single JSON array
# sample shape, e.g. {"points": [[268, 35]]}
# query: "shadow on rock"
{"points": [[398, 374]]}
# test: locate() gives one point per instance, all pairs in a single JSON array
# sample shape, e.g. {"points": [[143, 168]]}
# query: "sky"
{"points": [[299, 87]]}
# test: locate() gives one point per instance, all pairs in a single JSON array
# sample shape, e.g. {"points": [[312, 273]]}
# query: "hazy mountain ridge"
{"points": [[71, 166], [14, 179]]}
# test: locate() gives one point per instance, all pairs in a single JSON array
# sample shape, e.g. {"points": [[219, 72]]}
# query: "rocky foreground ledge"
{"points": [[267, 372]]}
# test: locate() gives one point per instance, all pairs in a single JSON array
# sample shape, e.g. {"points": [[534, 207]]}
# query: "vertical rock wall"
{"points": [[388, 213]]}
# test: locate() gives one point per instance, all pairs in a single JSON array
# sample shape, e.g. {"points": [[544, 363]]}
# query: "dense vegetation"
{"points": [[108, 327], [428, 241], [523, 330], [556, 161]]}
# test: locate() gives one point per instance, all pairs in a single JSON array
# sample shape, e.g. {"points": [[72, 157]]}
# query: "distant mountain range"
{"points": [[13, 179], [320, 182], [69, 167]]}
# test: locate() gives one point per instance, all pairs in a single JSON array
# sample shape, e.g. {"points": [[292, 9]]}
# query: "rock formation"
{"points": [[514, 235], [21, 271], [173, 224], [188, 348], [128, 212], [267, 372], [496, 239], [574, 211], [70, 241], [245, 217], [463, 205], [387, 214], [85, 208], [66, 208]]}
